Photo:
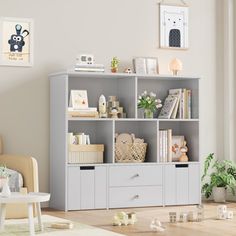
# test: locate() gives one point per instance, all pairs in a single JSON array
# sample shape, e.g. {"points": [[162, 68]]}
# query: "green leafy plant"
{"points": [[222, 174], [114, 62], [149, 101]]}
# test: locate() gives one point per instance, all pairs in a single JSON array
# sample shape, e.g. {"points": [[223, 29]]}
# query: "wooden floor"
{"points": [[103, 219]]}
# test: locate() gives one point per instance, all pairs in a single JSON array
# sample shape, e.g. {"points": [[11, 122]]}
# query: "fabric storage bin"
{"points": [[92, 153]]}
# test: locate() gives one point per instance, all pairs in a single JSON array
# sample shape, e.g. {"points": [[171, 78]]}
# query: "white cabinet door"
{"points": [[100, 187], [182, 187], [87, 183], [194, 184], [170, 185], [73, 194]]}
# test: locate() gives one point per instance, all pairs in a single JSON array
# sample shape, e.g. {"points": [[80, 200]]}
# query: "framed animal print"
{"points": [[173, 27], [16, 42]]}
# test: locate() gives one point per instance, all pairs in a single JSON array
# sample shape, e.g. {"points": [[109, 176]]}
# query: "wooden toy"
{"points": [[122, 218], [183, 150], [230, 214], [172, 217], [62, 225], [156, 225], [221, 212]]}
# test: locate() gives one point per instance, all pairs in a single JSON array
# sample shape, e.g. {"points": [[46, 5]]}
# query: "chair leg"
{"points": [[2, 215], [31, 219]]}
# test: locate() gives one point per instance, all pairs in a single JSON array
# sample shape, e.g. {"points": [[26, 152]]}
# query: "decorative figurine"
{"points": [[183, 149], [200, 213], [128, 71], [114, 109], [172, 217], [114, 64], [102, 107], [114, 113]]}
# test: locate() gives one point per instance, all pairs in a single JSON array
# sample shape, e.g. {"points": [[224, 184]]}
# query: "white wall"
{"points": [[106, 28]]}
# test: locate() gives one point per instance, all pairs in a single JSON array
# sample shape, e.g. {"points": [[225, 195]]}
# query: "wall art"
{"points": [[16, 42], [173, 27]]}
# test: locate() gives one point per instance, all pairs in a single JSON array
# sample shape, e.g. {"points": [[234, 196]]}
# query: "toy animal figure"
{"points": [[156, 225], [17, 40]]}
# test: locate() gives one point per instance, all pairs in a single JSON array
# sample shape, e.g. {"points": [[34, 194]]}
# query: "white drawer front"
{"points": [[135, 196], [135, 175]]}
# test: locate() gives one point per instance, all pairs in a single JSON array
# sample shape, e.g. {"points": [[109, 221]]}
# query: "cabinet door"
{"points": [[170, 185], [194, 184], [73, 183], [87, 187], [100, 187], [182, 184]]}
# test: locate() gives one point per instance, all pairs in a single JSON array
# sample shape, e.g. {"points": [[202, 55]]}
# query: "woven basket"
{"points": [[130, 152]]}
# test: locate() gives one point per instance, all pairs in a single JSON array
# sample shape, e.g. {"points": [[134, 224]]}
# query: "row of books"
{"points": [[169, 146], [89, 67], [90, 112], [177, 105]]}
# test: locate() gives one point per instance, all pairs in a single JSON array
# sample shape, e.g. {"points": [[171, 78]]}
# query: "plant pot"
{"points": [[114, 69], [219, 194]]}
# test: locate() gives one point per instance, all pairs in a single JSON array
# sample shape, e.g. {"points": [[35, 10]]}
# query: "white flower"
{"points": [[158, 101], [158, 106], [145, 92], [139, 97], [149, 101], [152, 94], [148, 98]]}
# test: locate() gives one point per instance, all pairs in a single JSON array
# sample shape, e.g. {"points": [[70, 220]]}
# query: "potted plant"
{"points": [[114, 64], [4, 175], [149, 103], [218, 176]]}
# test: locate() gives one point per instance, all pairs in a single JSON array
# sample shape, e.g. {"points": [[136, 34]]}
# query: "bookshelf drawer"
{"points": [[135, 175], [135, 196]]}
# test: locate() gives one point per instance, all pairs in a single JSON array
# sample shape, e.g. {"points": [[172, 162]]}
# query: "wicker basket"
{"points": [[130, 152]]}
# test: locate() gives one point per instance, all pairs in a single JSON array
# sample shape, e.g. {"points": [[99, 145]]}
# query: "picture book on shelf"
{"points": [[168, 107], [165, 145]]}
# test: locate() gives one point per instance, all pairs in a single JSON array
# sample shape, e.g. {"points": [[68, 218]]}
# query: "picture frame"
{"points": [[146, 65], [174, 26], [78, 99], [177, 143], [16, 41]]}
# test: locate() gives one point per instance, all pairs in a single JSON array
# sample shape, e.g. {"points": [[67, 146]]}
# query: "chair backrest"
{"points": [[1, 146]]}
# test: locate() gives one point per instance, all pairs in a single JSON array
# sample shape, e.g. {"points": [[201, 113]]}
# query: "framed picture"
{"points": [[146, 65], [173, 26], [78, 99], [16, 42], [177, 143]]}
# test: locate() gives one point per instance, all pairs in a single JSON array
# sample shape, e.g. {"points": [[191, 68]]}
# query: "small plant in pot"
{"points": [[218, 176]]}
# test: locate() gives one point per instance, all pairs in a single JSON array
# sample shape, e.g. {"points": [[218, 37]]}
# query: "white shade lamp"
{"points": [[175, 66]]}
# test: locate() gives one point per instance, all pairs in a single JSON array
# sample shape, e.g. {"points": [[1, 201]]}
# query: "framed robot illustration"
{"points": [[16, 42], [173, 26]]}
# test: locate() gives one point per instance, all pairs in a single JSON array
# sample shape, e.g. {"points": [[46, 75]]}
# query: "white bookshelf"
{"points": [[67, 181]]}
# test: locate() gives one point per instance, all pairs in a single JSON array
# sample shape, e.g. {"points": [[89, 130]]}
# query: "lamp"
{"points": [[175, 66]]}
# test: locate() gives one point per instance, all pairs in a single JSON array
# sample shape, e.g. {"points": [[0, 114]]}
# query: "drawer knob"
{"points": [[137, 175], [136, 196]]}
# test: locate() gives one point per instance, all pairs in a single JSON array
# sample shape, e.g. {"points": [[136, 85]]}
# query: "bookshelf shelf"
{"points": [[74, 179]]}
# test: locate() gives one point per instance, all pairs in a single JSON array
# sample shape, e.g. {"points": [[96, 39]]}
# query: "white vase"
{"points": [[219, 194], [6, 192]]}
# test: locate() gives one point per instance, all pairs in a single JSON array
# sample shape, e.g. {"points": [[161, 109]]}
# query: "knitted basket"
{"points": [[130, 152]]}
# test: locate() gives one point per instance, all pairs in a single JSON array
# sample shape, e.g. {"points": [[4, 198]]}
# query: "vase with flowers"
{"points": [[150, 103]]}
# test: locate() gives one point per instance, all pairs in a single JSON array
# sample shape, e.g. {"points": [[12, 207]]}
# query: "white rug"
{"points": [[20, 228]]}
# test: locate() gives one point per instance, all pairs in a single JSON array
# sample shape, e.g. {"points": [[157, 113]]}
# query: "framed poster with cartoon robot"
{"points": [[173, 26], [16, 42]]}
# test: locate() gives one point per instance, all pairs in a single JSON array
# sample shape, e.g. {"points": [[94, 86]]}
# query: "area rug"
{"points": [[20, 228]]}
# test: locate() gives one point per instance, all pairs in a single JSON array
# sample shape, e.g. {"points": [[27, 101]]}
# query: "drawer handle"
{"points": [[136, 176], [136, 196], [181, 166]]}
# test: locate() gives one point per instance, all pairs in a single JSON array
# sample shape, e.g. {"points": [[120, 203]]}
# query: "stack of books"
{"points": [[177, 105], [165, 145], [170, 146], [90, 112], [89, 67]]}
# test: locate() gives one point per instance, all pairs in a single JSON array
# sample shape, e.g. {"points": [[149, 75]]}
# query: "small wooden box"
{"points": [[86, 154]]}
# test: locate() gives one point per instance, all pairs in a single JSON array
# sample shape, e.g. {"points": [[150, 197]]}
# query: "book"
{"points": [[160, 146], [177, 143], [169, 145], [168, 107], [140, 65], [176, 92], [90, 69], [83, 109], [189, 103]]}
